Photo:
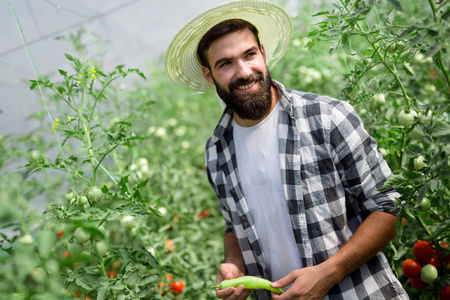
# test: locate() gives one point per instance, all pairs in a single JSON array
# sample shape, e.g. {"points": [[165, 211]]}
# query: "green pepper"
{"points": [[249, 282]]}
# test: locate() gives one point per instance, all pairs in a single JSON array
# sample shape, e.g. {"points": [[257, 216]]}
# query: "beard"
{"points": [[250, 106]]}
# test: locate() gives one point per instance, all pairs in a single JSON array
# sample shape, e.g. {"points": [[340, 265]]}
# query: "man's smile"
{"points": [[246, 86]]}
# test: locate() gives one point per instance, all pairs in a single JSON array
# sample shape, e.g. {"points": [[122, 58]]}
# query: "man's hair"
{"points": [[218, 31]]}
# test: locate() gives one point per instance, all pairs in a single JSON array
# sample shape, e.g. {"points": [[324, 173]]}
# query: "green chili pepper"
{"points": [[249, 282]]}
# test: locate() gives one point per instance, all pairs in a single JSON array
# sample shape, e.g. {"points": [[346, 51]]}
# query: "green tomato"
{"points": [[102, 248], [69, 196], [416, 133], [26, 239], [82, 201], [425, 204], [379, 100], [99, 237], [419, 162], [95, 194], [425, 117], [81, 236], [406, 118], [75, 248], [429, 273]]}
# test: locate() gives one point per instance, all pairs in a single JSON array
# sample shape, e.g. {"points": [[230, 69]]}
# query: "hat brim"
{"points": [[275, 32]]}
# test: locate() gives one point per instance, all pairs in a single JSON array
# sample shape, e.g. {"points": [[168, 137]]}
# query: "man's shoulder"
{"points": [[309, 98]]}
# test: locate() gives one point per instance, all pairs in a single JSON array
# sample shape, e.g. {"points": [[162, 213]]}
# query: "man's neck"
{"points": [[250, 123]]}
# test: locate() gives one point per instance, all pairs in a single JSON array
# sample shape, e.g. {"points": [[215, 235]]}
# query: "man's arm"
{"points": [[370, 238], [233, 254], [233, 267]]}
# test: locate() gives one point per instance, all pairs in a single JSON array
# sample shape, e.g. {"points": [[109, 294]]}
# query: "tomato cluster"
{"points": [[426, 266], [176, 287]]}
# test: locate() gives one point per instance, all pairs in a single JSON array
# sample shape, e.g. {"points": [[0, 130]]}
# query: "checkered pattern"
{"points": [[331, 172]]}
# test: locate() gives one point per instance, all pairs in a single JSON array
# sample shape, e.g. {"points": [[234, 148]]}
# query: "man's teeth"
{"points": [[247, 86]]}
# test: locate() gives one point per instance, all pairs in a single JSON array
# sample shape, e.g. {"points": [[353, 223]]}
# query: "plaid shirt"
{"points": [[331, 171]]}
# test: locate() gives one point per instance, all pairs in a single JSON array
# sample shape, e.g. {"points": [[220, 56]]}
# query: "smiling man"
{"points": [[296, 174]]}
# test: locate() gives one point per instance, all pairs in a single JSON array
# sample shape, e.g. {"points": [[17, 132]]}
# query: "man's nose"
{"points": [[243, 70]]}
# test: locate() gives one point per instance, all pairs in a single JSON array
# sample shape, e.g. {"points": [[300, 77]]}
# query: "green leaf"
{"points": [[408, 69], [83, 282], [101, 295], [321, 13], [33, 84], [441, 130], [391, 18], [433, 50], [408, 215], [395, 180], [396, 5], [69, 57], [145, 280]]}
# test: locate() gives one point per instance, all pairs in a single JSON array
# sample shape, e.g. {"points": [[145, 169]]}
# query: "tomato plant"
{"points": [[398, 50], [124, 160]]}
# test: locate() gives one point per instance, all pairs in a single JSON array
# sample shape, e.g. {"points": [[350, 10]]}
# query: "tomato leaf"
{"points": [[395, 180], [84, 283], [145, 280], [396, 5], [441, 130]]}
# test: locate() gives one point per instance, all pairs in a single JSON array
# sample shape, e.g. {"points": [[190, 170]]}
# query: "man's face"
{"points": [[239, 72]]}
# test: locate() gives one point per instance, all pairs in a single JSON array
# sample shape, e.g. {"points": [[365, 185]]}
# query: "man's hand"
{"points": [[229, 271], [307, 283], [315, 282]]}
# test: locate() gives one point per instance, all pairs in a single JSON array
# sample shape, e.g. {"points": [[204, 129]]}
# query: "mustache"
{"points": [[240, 81]]}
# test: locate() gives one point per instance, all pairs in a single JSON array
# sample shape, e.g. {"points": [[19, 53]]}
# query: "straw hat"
{"points": [[275, 33]]}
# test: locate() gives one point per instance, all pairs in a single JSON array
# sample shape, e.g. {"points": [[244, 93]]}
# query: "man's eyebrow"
{"points": [[224, 59]]}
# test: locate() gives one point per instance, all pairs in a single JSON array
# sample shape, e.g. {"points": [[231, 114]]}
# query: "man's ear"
{"points": [[207, 74], [263, 52]]}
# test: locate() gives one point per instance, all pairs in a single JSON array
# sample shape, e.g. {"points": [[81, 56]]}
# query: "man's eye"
{"points": [[251, 54], [225, 64]]}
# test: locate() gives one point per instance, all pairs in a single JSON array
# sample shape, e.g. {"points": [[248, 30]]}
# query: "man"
{"points": [[296, 174]]}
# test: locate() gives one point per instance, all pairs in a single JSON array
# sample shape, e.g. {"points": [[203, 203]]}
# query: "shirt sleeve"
{"points": [[211, 164], [361, 166]]}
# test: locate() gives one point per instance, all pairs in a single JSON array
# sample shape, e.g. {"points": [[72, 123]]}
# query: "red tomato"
{"points": [[177, 286], [60, 234], [411, 268], [66, 254], [423, 251], [447, 261], [417, 283], [435, 261], [168, 276], [445, 292], [112, 274]]}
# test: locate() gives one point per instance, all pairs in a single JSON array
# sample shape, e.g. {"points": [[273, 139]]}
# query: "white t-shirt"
{"points": [[258, 161]]}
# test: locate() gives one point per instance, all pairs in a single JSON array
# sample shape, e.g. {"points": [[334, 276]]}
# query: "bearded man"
{"points": [[296, 174]]}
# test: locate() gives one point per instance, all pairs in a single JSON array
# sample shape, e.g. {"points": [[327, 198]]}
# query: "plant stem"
{"points": [[87, 135], [402, 148], [423, 224], [103, 157], [440, 59], [382, 59]]}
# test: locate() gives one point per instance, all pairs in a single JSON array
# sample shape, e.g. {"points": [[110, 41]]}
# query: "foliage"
{"points": [[137, 190], [124, 160], [399, 82]]}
